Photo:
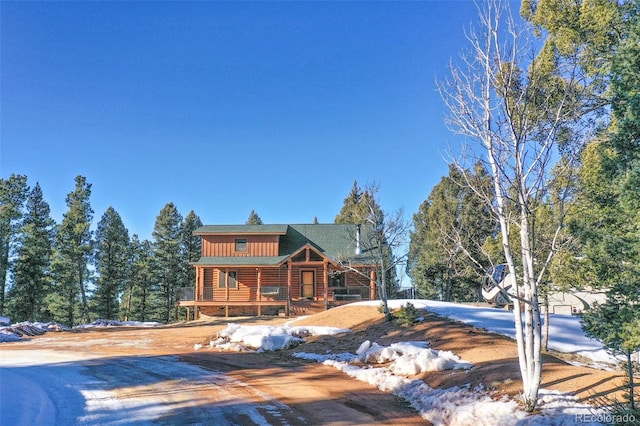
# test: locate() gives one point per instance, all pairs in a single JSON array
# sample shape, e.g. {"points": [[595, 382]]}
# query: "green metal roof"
{"points": [[335, 241], [242, 229]]}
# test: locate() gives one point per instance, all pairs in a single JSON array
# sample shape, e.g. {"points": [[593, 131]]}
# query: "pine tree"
{"points": [[614, 322], [352, 211], [191, 243], [607, 211], [72, 253], [446, 253], [31, 273], [359, 206], [13, 194], [111, 263], [191, 248], [168, 256], [253, 219], [139, 296]]}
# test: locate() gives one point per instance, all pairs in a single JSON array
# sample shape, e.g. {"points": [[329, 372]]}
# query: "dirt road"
{"points": [[155, 376]]}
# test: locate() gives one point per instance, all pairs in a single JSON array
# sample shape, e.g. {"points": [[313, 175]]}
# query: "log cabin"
{"points": [[279, 269]]}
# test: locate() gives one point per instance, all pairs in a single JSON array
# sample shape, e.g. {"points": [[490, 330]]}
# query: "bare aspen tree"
{"points": [[387, 233], [514, 111]]}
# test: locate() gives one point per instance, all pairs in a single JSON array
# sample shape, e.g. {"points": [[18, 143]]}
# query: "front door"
{"points": [[307, 284]]}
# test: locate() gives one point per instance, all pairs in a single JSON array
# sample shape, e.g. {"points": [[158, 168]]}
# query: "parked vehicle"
{"points": [[498, 288]]}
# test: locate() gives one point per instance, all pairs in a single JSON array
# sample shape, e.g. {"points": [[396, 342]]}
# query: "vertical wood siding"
{"points": [[224, 245]]}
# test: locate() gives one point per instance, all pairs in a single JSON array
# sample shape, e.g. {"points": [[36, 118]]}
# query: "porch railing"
{"points": [[186, 294], [279, 293], [351, 293], [273, 293]]}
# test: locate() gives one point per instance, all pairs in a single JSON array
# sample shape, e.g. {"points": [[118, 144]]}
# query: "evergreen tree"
{"points": [[613, 324], [191, 243], [360, 206], [111, 263], [13, 194], [605, 37], [191, 248], [423, 266], [73, 251], [168, 256], [607, 209], [31, 273], [139, 296], [352, 209], [446, 254], [253, 219]]}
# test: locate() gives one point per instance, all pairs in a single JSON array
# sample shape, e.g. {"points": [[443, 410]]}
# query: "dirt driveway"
{"points": [[156, 376]]}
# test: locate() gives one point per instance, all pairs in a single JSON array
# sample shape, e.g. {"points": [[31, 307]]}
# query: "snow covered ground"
{"points": [[565, 332], [14, 332], [54, 381]]}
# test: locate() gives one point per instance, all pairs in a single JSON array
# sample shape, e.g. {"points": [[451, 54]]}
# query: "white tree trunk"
{"points": [[532, 322], [498, 102]]}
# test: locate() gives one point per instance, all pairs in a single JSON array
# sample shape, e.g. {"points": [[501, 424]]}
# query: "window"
{"points": [[241, 244], [336, 279], [223, 279]]}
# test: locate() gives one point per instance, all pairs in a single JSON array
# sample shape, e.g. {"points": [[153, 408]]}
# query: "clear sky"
{"points": [[225, 107]]}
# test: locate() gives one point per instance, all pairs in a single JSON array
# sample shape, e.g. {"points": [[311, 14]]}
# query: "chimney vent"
{"points": [[358, 248]]}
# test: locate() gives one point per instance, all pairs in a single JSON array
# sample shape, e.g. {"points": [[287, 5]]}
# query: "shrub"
{"points": [[407, 315]]}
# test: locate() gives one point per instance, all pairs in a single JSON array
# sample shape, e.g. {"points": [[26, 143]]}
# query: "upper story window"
{"points": [[241, 244]]}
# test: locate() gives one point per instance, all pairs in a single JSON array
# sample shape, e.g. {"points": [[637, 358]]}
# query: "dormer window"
{"points": [[241, 245]]}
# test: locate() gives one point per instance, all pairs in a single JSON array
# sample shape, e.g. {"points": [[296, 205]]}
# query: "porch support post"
{"points": [[196, 290], [325, 281], [199, 293], [372, 284], [226, 287], [289, 273], [259, 295]]}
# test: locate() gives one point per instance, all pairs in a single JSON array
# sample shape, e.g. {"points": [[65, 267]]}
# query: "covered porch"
{"points": [[281, 287]]}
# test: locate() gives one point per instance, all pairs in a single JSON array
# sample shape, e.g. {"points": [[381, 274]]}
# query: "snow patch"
{"points": [[267, 338]]}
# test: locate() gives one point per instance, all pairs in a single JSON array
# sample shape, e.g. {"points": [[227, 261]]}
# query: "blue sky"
{"points": [[225, 107]]}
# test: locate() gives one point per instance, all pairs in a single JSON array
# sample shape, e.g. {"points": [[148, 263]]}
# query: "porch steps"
{"points": [[306, 307]]}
